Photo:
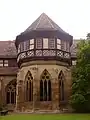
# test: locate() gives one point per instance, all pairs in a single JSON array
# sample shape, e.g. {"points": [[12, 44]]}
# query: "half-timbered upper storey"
{"points": [[43, 39]]}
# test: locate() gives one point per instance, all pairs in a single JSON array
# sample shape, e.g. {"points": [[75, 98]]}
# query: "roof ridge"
{"points": [[38, 21], [49, 21]]}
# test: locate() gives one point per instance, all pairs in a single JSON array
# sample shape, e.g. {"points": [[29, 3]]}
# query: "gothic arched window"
{"points": [[29, 87], [11, 92], [45, 86], [61, 86]]}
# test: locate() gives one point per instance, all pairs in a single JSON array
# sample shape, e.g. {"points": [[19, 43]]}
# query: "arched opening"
{"points": [[11, 92], [45, 86], [29, 87], [61, 86]]}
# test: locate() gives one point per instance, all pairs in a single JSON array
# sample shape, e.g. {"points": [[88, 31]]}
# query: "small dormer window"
{"points": [[31, 44], [1, 63], [45, 43], [5, 63], [58, 44]]}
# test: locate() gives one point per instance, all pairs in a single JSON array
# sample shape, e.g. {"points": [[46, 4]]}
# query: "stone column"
{"points": [[68, 83], [35, 91], [19, 96], [55, 95], [55, 91], [20, 90], [2, 92]]}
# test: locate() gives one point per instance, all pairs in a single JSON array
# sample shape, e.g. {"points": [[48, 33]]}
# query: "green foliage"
{"points": [[80, 99], [88, 36]]}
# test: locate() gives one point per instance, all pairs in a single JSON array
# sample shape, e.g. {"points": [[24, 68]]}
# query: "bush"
{"points": [[80, 99]]}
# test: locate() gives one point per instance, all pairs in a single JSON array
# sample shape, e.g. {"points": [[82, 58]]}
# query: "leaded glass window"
{"points": [[45, 86]]}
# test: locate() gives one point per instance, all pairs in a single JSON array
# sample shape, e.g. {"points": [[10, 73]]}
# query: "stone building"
{"points": [[35, 72]]}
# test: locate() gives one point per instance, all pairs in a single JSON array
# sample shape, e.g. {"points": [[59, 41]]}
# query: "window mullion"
{"points": [[31, 90], [14, 97], [10, 97], [3, 63], [28, 90], [43, 90], [61, 91], [47, 90]]}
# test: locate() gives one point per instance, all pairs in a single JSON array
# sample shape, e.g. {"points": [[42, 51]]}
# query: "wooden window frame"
{"points": [[47, 47], [5, 63], [40, 47], [31, 44], [1, 63], [59, 44]]}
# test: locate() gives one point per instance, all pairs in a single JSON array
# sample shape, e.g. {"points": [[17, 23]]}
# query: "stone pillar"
{"points": [[55, 95], [35, 89], [20, 90], [55, 91], [20, 95], [68, 83], [2, 92]]}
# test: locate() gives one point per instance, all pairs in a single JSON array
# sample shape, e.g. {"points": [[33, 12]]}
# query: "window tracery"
{"points": [[61, 86], [11, 92], [29, 87], [45, 86]]}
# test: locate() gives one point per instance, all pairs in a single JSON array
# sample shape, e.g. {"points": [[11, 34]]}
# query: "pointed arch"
{"points": [[45, 86], [29, 86], [11, 92], [61, 79]]}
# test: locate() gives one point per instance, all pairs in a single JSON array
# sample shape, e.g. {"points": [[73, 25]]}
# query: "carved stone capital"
{"points": [[34, 68]]}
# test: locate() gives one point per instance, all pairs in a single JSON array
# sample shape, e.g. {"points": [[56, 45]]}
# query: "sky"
{"points": [[17, 15]]}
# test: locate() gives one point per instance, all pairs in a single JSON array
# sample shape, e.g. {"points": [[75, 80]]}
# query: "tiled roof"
{"points": [[43, 22], [8, 70], [7, 49]]}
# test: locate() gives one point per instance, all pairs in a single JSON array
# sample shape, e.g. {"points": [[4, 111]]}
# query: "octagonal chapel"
{"points": [[43, 79]]}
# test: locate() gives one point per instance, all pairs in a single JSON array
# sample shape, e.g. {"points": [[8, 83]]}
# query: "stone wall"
{"points": [[36, 68], [4, 81]]}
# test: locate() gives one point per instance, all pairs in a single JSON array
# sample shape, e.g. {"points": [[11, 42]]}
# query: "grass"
{"points": [[47, 117]]}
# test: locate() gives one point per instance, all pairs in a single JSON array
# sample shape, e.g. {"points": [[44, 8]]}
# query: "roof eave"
{"points": [[43, 33]]}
